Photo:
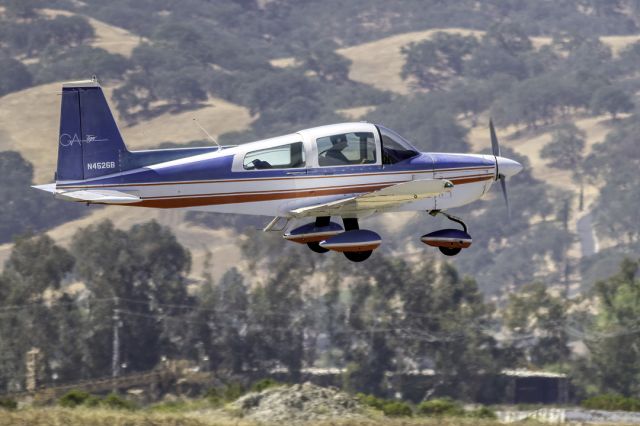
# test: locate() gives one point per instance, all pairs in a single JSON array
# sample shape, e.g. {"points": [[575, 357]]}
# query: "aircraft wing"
{"points": [[102, 196], [382, 198]]}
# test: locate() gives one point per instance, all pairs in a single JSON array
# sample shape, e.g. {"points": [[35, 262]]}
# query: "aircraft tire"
{"points": [[316, 247], [448, 251], [358, 256]]}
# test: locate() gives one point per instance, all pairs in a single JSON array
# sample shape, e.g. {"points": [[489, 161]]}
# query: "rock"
{"points": [[298, 404]]}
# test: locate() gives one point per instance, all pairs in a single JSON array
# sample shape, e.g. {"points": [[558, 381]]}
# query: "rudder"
{"points": [[90, 144]]}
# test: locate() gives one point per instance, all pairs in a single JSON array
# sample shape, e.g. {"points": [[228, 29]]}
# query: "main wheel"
{"points": [[316, 247], [358, 256], [448, 251]]}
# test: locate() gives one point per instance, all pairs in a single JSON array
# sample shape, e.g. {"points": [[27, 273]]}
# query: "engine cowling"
{"points": [[359, 240], [449, 238], [310, 233]]}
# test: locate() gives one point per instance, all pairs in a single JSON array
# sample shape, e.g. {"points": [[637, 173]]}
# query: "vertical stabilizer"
{"points": [[90, 144]]}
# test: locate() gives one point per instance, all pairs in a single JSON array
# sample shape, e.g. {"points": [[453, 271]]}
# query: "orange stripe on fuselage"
{"points": [[297, 177], [251, 197]]}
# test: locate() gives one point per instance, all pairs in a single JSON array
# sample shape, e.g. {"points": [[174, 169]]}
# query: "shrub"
{"points": [[397, 409], [389, 408], [8, 404], [371, 401], [73, 398], [440, 407], [232, 391], [213, 395], [117, 402], [612, 402], [482, 413], [92, 401], [263, 384]]}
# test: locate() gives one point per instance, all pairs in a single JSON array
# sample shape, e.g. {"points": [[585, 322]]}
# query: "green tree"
{"points": [[613, 342], [328, 65], [566, 152], [78, 62], [222, 319], [435, 61], [14, 75], [141, 272], [611, 99], [537, 320], [36, 267], [278, 319], [503, 49], [462, 347], [615, 163], [26, 209], [22, 8]]}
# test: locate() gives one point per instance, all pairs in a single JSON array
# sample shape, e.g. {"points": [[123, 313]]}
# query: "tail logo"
{"points": [[66, 140]]}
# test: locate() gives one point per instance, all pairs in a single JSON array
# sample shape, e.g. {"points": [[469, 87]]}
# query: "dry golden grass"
{"points": [[283, 62], [29, 124], [222, 244], [108, 37], [30, 119], [616, 43], [104, 417], [355, 113], [531, 143], [379, 63]]}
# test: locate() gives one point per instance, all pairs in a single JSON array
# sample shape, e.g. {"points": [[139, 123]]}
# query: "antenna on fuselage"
{"points": [[195, 120]]}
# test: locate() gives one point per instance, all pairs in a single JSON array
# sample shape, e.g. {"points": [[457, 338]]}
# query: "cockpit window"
{"points": [[278, 157], [395, 148], [346, 149]]}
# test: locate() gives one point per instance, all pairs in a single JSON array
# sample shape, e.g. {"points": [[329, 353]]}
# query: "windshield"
{"points": [[395, 148]]}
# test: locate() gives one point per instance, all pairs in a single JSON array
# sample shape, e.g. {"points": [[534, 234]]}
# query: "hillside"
{"points": [[108, 37], [379, 63], [31, 118]]}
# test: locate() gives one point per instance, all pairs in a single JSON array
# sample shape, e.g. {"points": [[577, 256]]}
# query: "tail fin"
{"points": [[90, 144]]}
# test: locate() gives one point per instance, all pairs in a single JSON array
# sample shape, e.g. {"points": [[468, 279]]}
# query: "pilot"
{"points": [[338, 142]]}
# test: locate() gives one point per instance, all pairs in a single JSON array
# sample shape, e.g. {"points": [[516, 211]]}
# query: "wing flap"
{"points": [[386, 197]]}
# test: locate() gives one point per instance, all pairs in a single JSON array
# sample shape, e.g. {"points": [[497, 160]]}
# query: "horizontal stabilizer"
{"points": [[49, 187], [383, 198], [99, 196]]}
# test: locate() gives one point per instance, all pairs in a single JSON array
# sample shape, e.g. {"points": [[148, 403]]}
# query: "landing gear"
{"points": [[447, 251], [315, 246], [351, 224], [358, 256], [321, 221], [449, 241], [452, 218]]}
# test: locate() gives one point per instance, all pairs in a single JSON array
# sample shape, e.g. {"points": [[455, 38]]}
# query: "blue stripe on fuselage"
{"points": [[443, 160], [219, 168]]}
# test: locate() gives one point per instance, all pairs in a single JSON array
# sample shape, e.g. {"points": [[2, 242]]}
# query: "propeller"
{"points": [[495, 148]]}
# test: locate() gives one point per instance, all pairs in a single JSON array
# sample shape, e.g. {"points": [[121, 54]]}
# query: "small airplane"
{"points": [[347, 170]]}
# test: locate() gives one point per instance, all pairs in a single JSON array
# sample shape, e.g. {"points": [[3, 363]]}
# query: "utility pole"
{"points": [[115, 356]]}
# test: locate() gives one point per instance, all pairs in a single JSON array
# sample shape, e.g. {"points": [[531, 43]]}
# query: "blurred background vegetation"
{"points": [[555, 287]]}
